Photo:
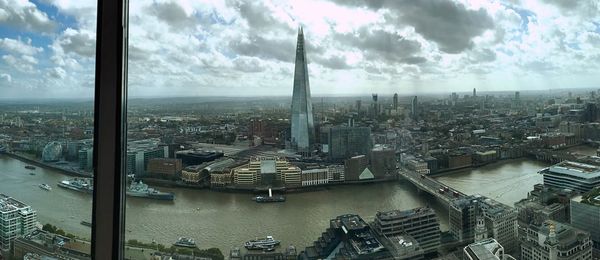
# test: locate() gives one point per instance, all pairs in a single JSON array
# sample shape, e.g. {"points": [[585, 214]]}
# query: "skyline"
{"points": [[186, 49]]}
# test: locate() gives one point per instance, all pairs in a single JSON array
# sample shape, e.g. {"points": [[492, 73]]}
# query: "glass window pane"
{"points": [[47, 51], [361, 129]]}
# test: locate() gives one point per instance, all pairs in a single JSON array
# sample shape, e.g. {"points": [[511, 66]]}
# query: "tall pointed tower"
{"points": [[303, 128]]}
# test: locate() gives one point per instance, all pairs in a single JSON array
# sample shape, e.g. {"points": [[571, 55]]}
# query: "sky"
{"points": [[354, 47]]}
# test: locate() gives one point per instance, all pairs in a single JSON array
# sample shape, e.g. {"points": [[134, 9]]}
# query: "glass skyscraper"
{"points": [[303, 128]]}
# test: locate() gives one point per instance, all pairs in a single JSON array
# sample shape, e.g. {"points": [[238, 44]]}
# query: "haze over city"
{"points": [[246, 48]]}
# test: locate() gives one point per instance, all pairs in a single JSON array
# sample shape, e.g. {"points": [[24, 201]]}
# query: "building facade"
{"points": [[555, 241], [585, 215], [303, 129], [16, 220], [420, 223]]}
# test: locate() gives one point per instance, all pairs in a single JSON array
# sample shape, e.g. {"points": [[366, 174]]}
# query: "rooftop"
{"points": [[8, 204], [577, 169], [395, 214], [484, 250]]}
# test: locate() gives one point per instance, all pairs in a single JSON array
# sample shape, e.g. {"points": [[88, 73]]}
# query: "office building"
{"points": [[267, 171], [414, 106], [420, 223], [197, 157], [164, 167], [555, 241], [488, 249], [357, 169], [474, 92], [348, 237], [500, 220], [47, 245], [581, 177], [345, 142], [52, 152], [140, 152], [383, 162], [303, 129], [315, 177], [395, 101], [585, 215], [16, 220], [85, 157]]}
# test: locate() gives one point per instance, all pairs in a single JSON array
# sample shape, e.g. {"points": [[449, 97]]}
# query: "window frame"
{"points": [[110, 103]]}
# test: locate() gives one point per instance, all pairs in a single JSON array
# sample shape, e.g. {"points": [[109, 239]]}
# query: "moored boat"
{"points": [[185, 242], [141, 190], [29, 167], [78, 184], [267, 243]]}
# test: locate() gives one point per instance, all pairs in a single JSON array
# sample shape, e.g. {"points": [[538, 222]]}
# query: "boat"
{"points": [[45, 186], [270, 198], [262, 244], [29, 167], [265, 199], [185, 242], [141, 190], [86, 223], [32, 173], [78, 184]]}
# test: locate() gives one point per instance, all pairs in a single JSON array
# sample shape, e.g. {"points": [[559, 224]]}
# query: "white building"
{"points": [[16, 220]]}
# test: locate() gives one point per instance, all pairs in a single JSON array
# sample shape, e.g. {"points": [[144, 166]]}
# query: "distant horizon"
{"points": [[363, 95]]}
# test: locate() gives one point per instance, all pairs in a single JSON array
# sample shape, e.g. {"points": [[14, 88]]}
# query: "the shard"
{"points": [[303, 128]]}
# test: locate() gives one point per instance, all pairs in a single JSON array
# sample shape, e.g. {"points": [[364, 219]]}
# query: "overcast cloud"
{"points": [[245, 48]]}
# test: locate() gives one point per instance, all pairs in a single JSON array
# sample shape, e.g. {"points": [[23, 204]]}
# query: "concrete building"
{"points": [[140, 152], [314, 177], [335, 173], [303, 128], [383, 162], [266, 171], [345, 142], [16, 220], [357, 169], [348, 237], [420, 223], [51, 246], [488, 249], [164, 167], [555, 241], [500, 220], [581, 177], [85, 158], [585, 215]]}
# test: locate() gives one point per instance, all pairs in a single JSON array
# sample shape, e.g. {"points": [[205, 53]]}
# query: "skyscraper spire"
{"points": [[303, 129]]}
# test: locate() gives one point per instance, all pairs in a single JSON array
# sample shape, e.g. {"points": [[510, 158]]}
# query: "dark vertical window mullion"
{"points": [[109, 130]]}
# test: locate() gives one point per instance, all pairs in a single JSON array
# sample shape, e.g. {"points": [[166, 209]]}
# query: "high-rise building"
{"points": [[16, 220], [303, 128], [556, 241], [585, 215], [140, 152], [375, 107], [517, 96], [414, 105], [474, 92], [420, 223], [500, 220], [345, 142], [395, 101]]}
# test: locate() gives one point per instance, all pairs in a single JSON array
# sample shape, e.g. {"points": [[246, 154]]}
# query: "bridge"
{"points": [[425, 183]]}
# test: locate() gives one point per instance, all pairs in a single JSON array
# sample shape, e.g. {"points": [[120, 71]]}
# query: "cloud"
{"points": [[270, 49], [18, 46], [172, 14], [24, 15], [6, 77], [78, 41], [449, 24], [382, 45]]}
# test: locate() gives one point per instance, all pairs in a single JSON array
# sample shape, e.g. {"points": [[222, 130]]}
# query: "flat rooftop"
{"points": [[577, 169], [8, 204], [484, 250], [396, 214]]}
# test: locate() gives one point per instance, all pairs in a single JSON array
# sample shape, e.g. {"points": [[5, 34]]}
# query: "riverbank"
{"points": [[45, 165]]}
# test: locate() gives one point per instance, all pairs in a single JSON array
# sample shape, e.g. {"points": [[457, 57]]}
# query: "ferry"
{"points": [[185, 242], [270, 198], [45, 186], [141, 190], [78, 184], [86, 223], [264, 244], [29, 167]]}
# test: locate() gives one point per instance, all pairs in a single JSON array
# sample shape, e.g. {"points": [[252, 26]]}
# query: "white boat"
{"points": [[45, 186]]}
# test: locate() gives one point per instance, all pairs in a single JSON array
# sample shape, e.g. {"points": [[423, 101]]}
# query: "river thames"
{"points": [[225, 220]]}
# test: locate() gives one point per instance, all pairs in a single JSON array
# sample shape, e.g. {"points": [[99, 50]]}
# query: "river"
{"points": [[225, 220]]}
